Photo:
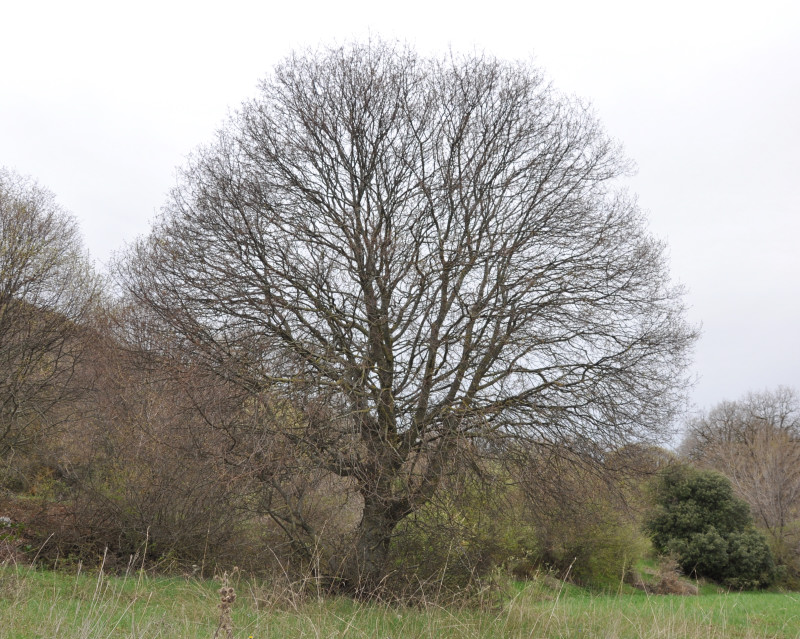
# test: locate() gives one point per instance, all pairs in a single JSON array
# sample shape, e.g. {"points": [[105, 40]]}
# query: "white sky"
{"points": [[100, 101]]}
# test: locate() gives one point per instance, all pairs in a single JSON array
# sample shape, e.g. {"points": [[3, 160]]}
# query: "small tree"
{"points": [[710, 531]]}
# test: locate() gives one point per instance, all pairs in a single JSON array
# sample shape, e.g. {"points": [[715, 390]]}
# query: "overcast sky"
{"points": [[101, 101]]}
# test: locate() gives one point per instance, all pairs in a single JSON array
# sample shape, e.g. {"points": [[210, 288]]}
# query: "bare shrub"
{"points": [[668, 580], [144, 478]]}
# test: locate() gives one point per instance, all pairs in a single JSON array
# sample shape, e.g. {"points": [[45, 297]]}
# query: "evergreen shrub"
{"points": [[710, 532]]}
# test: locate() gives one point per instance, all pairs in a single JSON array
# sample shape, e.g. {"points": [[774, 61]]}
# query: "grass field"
{"points": [[37, 603]]}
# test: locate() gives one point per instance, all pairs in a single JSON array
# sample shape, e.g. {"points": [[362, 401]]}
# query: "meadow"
{"points": [[44, 603]]}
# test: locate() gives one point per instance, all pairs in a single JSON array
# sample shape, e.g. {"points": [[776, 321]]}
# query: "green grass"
{"points": [[36, 603]]}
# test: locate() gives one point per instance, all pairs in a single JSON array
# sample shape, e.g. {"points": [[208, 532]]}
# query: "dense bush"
{"points": [[470, 527], [584, 523], [566, 520], [698, 519]]}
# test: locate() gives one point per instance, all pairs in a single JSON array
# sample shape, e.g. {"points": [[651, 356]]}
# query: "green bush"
{"points": [[465, 532], [576, 528], [590, 539], [750, 562], [702, 553], [698, 519]]}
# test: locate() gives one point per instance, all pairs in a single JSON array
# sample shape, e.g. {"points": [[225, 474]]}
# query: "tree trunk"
{"points": [[366, 568]]}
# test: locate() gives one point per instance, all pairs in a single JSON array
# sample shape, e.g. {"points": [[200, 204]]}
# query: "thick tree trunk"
{"points": [[366, 569]]}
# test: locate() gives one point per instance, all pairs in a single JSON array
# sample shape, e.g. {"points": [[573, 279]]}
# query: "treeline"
{"points": [[395, 329], [158, 460], [164, 467], [114, 444]]}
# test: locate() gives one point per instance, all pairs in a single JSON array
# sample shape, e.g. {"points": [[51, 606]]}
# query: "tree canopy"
{"points": [[426, 255], [47, 290]]}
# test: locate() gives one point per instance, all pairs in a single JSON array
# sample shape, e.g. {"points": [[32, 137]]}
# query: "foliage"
{"points": [[584, 514], [576, 526], [470, 528], [709, 530], [750, 560]]}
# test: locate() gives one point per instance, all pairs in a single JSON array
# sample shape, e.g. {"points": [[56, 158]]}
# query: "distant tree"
{"points": [[755, 442], [47, 290], [710, 531], [417, 252]]}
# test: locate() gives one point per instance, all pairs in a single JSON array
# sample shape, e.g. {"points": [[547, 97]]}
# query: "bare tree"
{"points": [[756, 443], [47, 289], [431, 250]]}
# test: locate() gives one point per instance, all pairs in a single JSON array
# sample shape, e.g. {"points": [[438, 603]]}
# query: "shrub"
{"points": [[468, 529], [575, 525], [698, 519], [702, 553], [588, 537], [750, 562]]}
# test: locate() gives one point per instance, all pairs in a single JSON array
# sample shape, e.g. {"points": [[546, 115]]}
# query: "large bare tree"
{"points": [[47, 291], [429, 252]]}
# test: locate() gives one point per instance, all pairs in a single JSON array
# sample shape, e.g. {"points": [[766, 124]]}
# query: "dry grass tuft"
{"points": [[668, 580], [227, 596]]}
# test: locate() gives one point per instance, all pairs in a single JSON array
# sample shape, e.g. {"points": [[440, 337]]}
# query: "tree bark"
{"points": [[366, 569]]}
